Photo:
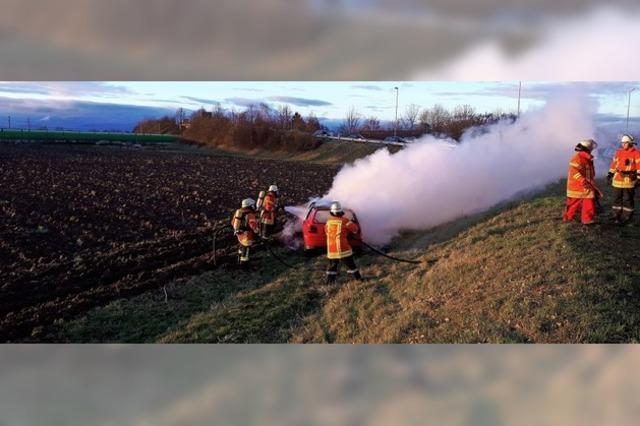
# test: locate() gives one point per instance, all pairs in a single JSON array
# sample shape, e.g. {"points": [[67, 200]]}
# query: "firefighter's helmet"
{"points": [[589, 144], [247, 202], [336, 207], [627, 139], [273, 188]]}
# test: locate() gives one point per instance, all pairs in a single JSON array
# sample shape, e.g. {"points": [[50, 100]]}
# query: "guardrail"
{"points": [[373, 141]]}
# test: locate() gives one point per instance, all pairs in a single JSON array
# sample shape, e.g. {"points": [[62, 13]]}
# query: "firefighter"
{"points": [[623, 176], [268, 212], [245, 227], [337, 229], [581, 190]]}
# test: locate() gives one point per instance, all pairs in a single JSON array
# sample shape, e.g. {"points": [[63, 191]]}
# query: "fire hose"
{"points": [[264, 241], [381, 253]]}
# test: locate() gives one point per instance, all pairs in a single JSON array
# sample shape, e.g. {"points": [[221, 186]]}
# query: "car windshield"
{"points": [[323, 215]]}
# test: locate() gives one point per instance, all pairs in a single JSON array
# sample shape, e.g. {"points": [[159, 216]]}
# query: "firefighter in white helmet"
{"points": [[624, 176], [337, 230], [245, 228], [268, 212]]}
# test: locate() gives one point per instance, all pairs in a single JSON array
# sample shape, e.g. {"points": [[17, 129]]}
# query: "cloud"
{"points": [[243, 102], [366, 87], [299, 101], [26, 88], [248, 89], [65, 88], [200, 100], [79, 115]]}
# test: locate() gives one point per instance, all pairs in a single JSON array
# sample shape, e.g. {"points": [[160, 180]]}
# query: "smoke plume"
{"points": [[434, 181]]}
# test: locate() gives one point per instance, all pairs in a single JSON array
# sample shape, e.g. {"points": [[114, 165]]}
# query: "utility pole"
{"points": [[629, 107], [9, 120], [395, 123], [519, 95]]}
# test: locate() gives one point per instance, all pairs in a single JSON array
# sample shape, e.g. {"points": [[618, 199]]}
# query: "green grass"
{"points": [[514, 274], [44, 135]]}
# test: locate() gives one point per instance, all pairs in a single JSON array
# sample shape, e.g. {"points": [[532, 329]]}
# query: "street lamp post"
{"points": [[629, 107], [519, 94], [395, 123]]}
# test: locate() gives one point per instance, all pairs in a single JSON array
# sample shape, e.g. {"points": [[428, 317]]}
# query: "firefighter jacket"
{"points": [[269, 207], [625, 167], [581, 172], [337, 230], [245, 226]]}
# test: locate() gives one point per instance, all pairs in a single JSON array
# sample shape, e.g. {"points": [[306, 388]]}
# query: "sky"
{"points": [[119, 105]]}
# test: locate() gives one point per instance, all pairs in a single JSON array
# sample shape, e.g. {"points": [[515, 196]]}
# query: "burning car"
{"points": [[313, 233]]}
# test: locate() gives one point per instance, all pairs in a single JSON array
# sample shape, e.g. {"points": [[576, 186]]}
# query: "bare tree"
{"points": [[463, 112], [251, 113], [313, 123], [284, 117], [411, 114], [435, 118], [218, 111], [266, 113], [180, 116], [351, 122], [371, 124]]}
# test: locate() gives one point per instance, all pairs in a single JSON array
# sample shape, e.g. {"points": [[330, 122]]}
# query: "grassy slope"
{"points": [[329, 152], [516, 274]]}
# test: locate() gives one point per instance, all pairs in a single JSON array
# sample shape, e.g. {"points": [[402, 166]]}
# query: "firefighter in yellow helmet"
{"points": [[623, 176], [337, 230], [245, 228], [268, 212]]}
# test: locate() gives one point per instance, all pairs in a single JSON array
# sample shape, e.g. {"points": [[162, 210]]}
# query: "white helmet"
{"points": [[589, 144], [627, 139], [273, 188], [247, 202], [336, 207]]}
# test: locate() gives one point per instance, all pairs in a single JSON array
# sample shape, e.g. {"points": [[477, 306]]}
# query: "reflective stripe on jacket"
{"points": [[625, 166], [581, 172], [337, 230], [269, 206]]}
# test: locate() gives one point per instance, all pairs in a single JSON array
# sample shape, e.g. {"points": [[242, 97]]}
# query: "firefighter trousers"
{"points": [[586, 207], [243, 254], [332, 271], [623, 203], [266, 230]]}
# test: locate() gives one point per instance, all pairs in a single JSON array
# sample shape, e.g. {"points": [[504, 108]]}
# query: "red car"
{"points": [[313, 227]]}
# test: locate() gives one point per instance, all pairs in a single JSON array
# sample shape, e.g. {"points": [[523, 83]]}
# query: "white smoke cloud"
{"points": [[595, 46], [432, 182]]}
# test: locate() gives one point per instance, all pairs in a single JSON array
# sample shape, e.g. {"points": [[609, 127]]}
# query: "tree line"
{"points": [[263, 127], [415, 122], [258, 126]]}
